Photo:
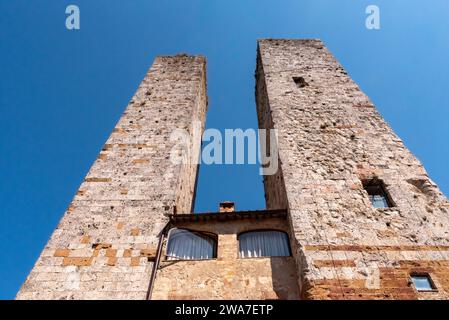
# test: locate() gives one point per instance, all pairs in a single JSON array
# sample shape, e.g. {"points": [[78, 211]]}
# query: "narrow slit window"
{"points": [[191, 245], [422, 282], [377, 193], [267, 243]]}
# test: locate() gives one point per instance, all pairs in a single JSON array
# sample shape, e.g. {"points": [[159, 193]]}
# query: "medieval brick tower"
{"points": [[351, 213]]}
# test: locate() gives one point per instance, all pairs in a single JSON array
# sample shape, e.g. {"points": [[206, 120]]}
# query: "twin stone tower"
{"points": [[355, 211]]}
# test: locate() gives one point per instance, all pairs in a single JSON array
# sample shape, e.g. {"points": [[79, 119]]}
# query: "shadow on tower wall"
{"points": [[284, 278]]}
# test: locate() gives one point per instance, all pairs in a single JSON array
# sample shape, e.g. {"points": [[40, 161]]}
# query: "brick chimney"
{"points": [[227, 206]]}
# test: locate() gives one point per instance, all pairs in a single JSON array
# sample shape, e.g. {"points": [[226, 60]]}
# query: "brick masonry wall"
{"points": [[102, 246], [330, 138]]}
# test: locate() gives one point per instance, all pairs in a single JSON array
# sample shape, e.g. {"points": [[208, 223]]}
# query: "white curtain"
{"points": [[263, 244], [188, 245]]}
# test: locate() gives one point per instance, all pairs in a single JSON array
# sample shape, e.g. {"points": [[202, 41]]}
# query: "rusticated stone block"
{"points": [[77, 261], [62, 253]]}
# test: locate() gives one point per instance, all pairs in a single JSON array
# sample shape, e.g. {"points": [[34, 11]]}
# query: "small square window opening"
{"points": [[377, 193], [423, 283], [300, 82]]}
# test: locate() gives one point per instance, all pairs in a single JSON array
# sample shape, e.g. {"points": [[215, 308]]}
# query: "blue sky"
{"points": [[61, 91]]}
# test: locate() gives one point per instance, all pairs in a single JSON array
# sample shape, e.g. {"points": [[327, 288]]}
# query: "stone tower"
{"points": [[105, 243], [336, 154], [351, 213]]}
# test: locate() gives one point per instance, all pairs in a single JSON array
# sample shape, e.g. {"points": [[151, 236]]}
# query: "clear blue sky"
{"points": [[61, 92]]}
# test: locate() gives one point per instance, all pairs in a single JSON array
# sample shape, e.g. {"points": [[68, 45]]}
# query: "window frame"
{"points": [[263, 230], [380, 185], [423, 275], [211, 235]]}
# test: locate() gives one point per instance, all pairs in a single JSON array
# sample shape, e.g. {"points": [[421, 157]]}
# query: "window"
{"points": [[378, 201], [422, 282], [190, 245], [255, 244], [300, 82], [377, 193]]}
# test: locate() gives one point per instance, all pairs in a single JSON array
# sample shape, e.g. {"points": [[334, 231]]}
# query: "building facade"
{"points": [[338, 158], [350, 213]]}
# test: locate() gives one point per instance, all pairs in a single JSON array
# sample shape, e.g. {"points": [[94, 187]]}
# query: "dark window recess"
{"points": [[377, 193], [191, 245], [423, 282], [300, 82]]}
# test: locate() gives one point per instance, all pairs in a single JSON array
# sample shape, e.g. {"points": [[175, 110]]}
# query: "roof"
{"points": [[228, 216]]}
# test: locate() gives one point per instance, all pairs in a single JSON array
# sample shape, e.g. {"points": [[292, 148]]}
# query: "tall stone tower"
{"points": [[104, 246], [351, 213], [366, 220]]}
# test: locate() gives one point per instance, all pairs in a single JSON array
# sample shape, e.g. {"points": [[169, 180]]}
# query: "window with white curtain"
{"points": [[267, 243], [190, 245]]}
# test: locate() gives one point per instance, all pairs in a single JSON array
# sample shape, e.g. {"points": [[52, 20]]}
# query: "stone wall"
{"points": [[102, 246], [330, 138], [228, 276]]}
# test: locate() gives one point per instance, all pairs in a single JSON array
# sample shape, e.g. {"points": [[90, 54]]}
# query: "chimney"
{"points": [[227, 206]]}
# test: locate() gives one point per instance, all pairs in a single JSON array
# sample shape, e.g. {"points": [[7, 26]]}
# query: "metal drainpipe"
{"points": [[156, 261]]}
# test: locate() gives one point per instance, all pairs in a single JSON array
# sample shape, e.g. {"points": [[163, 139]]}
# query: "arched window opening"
{"points": [[191, 245], [267, 243]]}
